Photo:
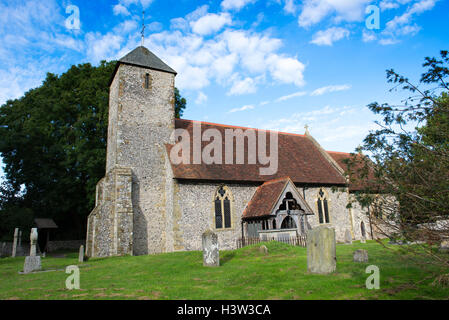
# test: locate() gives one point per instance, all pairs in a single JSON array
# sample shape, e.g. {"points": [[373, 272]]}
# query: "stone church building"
{"points": [[147, 204]]}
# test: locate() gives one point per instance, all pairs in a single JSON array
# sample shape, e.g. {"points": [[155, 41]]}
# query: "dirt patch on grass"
{"points": [[399, 288]]}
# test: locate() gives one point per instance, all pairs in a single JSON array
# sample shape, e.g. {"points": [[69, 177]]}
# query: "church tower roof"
{"points": [[143, 57]]}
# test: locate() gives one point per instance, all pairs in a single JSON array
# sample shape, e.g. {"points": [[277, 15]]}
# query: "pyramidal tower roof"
{"points": [[143, 57]]}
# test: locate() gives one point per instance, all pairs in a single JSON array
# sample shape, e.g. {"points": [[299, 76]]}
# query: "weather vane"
{"points": [[143, 27]]}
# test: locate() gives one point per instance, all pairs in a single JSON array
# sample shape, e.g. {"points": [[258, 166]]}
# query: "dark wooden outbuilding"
{"points": [[44, 226]]}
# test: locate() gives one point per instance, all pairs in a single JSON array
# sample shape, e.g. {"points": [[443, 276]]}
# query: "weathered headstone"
{"points": [[33, 242], [81, 254], [348, 237], [360, 255], [14, 244], [263, 249], [211, 254], [363, 240], [321, 250], [32, 262], [444, 246]]}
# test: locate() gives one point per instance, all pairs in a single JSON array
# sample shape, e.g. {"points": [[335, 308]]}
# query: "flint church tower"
{"points": [[134, 202]]}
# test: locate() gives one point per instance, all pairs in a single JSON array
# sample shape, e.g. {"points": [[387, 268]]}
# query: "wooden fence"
{"points": [[294, 241]]}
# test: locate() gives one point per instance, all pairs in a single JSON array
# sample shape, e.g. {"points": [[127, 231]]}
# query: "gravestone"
{"points": [[33, 242], [3, 252], [32, 262], [363, 240], [321, 250], [263, 249], [19, 251], [360, 255], [81, 254], [211, 254], [348, 237], [444, 246], [14, 244]]}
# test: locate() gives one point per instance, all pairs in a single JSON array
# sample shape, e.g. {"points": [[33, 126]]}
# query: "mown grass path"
{"points": [[244, 274]]}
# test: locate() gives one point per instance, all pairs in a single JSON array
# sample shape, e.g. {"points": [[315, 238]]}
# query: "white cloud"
{"points": [[328, 125], [368, 36], [290, 96], [386, 42], [210, 23], [144, 3], [290, 6], [404, 19], [332, 88], [246, 107], [236, 59], [102, 47], [235, 4], [387, 5], [239, 87], [313, 11], [201, 98], [179, 23], [329, 36], [120, 9], [286, 70]]}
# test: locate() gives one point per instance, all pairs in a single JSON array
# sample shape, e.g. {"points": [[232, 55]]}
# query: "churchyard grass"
{"points": [[246, 273]]}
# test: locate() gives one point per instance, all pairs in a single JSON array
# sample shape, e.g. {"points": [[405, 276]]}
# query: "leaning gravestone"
{"points": [[348, 237], [81, 254], [14, 244], [32, 262], [360, 255], [321, 250], [211, 254]]}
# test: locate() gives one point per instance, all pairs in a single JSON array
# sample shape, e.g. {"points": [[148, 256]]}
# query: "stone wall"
{"points": [[196, 213], [65, 245], [339, 215], [360, 215]]}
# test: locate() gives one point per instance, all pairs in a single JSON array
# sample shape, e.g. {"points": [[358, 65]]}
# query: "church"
{"points": [[148, 203]]}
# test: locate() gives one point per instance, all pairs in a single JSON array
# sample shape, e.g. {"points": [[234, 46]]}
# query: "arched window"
{"points": [[288, 223], [323, 207], [362, 229], [223, 210]]}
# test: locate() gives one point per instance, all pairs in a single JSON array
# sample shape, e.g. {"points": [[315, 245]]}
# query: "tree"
{"points": [[180, 104], [407, 173], [53, 143]]}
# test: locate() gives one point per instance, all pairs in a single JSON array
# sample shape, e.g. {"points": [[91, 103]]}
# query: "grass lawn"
{"points": [[244, 274]]}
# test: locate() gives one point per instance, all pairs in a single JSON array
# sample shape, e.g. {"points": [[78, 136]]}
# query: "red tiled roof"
{"points": [[265, 198], [340, 158], [298, 159]]}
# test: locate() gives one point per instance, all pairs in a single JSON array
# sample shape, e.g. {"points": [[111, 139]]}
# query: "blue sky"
{"points": [[274, 64]]}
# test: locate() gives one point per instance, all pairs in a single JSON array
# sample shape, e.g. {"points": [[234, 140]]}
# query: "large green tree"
{"points": [[409, 161], [53, 145]]}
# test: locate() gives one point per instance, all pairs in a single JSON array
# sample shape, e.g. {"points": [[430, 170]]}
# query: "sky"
{"points": [[274, 64]]}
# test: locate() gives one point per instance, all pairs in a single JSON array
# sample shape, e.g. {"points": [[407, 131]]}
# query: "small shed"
{"points": [[44, 226]]}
